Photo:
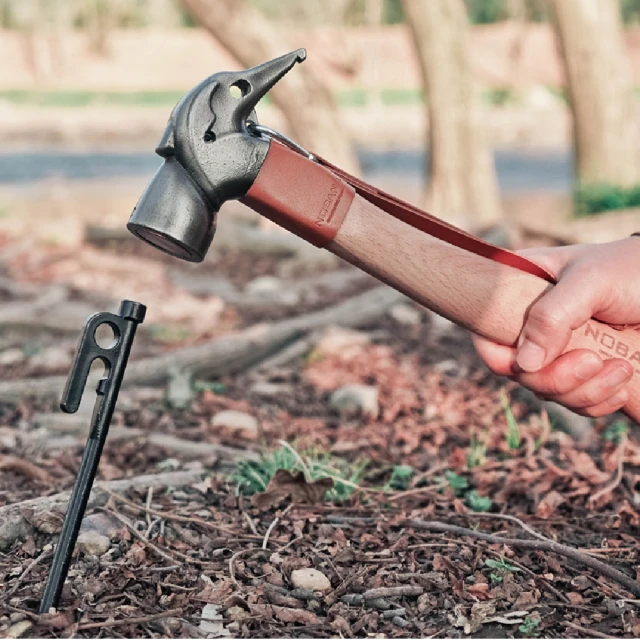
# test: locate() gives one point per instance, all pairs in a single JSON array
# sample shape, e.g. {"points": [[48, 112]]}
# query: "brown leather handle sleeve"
{"points": [[487, 297]]}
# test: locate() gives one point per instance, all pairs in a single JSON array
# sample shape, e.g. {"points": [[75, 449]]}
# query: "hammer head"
{"points": [[209, 157]]}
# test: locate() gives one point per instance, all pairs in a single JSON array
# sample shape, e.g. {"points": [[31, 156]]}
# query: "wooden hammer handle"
{"points": [[486, 297]]}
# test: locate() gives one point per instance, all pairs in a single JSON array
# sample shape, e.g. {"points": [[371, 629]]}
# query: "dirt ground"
{"points": [[455, 511]]}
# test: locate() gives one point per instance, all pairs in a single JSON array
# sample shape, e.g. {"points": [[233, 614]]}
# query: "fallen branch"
{"points": [[188, 449], [228, 354], [20, 519], [141, 620], [538, 545]]}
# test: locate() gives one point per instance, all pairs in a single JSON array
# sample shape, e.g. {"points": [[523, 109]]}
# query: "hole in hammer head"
{"points": [[239, 89]]}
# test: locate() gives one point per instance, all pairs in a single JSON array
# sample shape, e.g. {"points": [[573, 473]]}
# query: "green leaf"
{"points": [[495, 578], [615, 431], [529, 626], [501, 565], [456, 482], [513, 430], [478, 502]]}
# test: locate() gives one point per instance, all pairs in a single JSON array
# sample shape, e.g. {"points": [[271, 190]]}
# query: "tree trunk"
{"points": [[303, 98], [462, 182], [600, 88]]}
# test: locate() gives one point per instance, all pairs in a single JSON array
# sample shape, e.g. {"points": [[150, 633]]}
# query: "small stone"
{"points": [[264, 284], [11, 356], [310, 579], [93, 543], [180, 392], [405, 314], [101, 523], [235, 420], [19, 629], [270, 389], [355, 398], [450, 368], [212, 621], [337, 341]]}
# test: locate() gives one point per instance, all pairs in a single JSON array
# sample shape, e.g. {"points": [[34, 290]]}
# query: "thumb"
{"points": [[552, 318]]}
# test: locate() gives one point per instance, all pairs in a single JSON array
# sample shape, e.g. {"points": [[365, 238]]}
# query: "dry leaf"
{"points": [[548, 504], [584, 466], [285, 484], [301, 616]]}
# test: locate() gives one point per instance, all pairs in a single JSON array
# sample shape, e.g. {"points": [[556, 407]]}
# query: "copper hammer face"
{"points": [[210, 156]]}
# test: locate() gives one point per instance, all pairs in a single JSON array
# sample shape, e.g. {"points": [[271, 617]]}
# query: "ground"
{"points": [[450, 453]]}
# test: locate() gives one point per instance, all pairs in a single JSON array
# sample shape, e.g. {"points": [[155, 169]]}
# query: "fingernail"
{"points": [[618, 376], [530, 356], [619, 398], [588, 367]]}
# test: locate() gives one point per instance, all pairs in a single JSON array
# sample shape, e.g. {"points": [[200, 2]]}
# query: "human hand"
{"points": [[594, 280]]}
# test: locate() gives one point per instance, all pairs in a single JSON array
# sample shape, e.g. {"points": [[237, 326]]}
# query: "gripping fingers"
{"points": [[599, 389]]}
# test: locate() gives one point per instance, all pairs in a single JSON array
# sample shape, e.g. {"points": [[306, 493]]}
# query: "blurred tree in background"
{"points": [[463, 187], [305, 100], [600, 84]]}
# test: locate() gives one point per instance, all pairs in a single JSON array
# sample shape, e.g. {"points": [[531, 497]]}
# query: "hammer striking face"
{"points": [[209, 157]]}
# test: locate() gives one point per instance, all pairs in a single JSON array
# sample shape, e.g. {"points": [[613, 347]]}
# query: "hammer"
{"points": [[215, 150]]}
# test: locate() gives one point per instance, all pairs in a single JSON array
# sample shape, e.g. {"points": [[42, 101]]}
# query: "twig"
{"points": [[24, 467], [232, 571], [147, 504], [170, 516], [538, 545], [15, 518], [608, 488], [591, 633], [140, 536], [250, 522], [505, 516], [273, 525], [141, 620], [43, 556], [393, 592]]}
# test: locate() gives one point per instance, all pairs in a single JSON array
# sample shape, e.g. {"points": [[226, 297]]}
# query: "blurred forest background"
{"points": [[515, 119]]}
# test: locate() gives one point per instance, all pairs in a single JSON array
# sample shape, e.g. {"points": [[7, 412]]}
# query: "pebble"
{"points": [[102, 524], [11, 356], [212, 621], [310, 579], [405, 314], [18, 630], [355, 398], [235, 420], [180, 392], [93, 543], [340, 341], [441, 325], [264, 284], [270, 389]]}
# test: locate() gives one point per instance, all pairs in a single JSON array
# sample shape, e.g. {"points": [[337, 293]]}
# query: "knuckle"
{"points": [[547, 318]]}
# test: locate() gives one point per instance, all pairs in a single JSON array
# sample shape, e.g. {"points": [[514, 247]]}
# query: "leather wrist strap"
{"points": [[311, 199]]}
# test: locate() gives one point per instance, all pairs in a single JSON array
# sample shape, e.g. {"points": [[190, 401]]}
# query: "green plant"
{"points": [[529, 626], [477, 454], [513, 430], [215, 387], [597, 197], [401, 475], [495, 578], [616, 431], [501, 565], [456, 482], [477, 502], [253, 476]]}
